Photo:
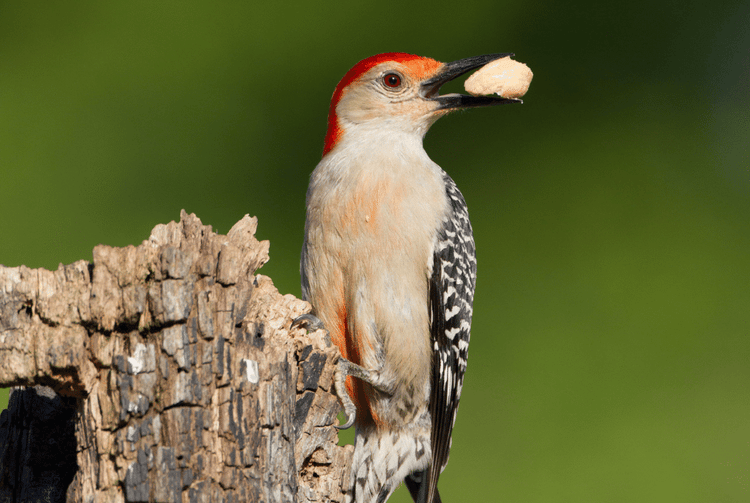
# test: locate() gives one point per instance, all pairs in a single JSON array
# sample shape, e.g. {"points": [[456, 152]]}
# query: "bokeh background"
{"points": [[610, 357]]}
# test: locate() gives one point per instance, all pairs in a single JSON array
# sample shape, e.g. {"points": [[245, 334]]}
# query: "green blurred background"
{"points": [[610, 358]]}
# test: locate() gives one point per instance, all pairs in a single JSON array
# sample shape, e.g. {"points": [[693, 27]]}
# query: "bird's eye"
{"points": [[392, 80]]}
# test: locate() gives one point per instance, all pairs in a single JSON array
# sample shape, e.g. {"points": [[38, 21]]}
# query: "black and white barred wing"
{"points": [[451, 298]]}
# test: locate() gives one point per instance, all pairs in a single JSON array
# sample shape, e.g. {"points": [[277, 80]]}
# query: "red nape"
{"points": [[422, 67]]}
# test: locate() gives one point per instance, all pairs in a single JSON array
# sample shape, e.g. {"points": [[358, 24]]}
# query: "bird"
{"points": [[388, 264]]}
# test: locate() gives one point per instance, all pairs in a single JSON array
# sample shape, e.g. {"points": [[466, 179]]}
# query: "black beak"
{"points": [[455, 69]]}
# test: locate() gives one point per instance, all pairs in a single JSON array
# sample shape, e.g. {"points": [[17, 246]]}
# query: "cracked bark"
{"points": [[165, 372]]}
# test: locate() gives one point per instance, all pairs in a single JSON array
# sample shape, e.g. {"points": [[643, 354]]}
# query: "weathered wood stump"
{"points": [[165, 372]]}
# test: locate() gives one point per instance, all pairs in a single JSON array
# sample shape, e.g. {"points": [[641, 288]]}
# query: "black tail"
{"points": [[414, 484]]}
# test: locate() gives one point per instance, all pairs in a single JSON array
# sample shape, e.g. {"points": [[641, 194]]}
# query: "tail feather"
{"points": [[382, 459], [418, 489]]}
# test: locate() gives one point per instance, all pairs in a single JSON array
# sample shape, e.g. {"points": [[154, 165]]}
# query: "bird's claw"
{"points": [[313, 322], [350, 410], [346, 368], [374, 378]]}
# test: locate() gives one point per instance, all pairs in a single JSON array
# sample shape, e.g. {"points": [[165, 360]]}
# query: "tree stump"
{"points": [[165, 372]]}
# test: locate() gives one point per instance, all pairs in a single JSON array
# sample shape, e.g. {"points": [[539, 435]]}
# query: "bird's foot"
{"points": [[345, 368], [312, 322], [374, 378], [339, 381]]}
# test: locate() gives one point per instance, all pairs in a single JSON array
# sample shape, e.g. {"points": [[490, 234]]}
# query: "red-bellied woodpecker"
{"points": [[389, 267]]}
